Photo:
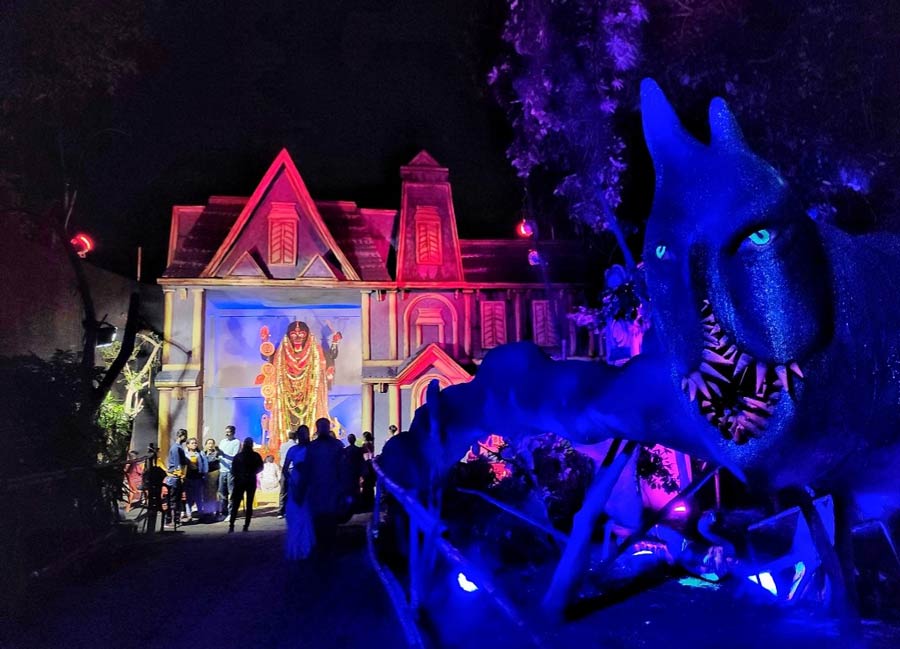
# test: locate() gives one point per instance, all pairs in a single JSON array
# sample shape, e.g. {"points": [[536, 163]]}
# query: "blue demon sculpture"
{"points": [[777, 351]]}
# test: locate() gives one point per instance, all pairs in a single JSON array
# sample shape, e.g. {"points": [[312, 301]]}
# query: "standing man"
{"points": [[282, 462], [247, 464], [354, 468], [176, 469], [228, 448], [324, 460]]}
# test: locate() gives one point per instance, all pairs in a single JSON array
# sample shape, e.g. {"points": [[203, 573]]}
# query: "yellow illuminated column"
{"points": [[194, 411], [467, 325], [165, 422], [168, 301], [365, 319], [392, 325], [368, 407], [197, 328], [394, 405]]}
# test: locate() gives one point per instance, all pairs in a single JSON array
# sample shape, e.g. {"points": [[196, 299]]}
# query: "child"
{"points": [[270, 478]]}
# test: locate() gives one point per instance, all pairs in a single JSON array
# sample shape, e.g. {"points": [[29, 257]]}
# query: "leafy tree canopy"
{"points": [[811, 83]]}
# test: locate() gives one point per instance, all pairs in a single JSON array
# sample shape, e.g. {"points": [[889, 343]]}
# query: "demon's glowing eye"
{"points": [[760, 237], [660, 252]]}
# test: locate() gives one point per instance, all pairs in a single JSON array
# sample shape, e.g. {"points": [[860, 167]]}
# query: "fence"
{"points": [[425, 545]]}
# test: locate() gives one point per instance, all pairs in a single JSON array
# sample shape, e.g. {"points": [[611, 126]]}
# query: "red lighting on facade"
{"points": [[525, 228], [83, 244]]}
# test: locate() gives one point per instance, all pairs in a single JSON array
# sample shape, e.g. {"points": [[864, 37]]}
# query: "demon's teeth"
{"points": [[710, 371], [753, 418], [700, 383], [689, 388], [761, 370], [750, 402], [713, 357], [743, 362], [793, 367], [710, 319], [781, 371], [730, 353]]}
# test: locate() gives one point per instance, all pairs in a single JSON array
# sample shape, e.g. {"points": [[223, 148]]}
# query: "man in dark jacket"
{"points": [[176, 468], [354, 466], [326, 493], [245, 466]]}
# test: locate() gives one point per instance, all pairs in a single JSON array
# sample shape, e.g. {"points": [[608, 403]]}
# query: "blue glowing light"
{"points": [[693, 582], [465, 584], [534, 258], [761, 237], [660, 252]]}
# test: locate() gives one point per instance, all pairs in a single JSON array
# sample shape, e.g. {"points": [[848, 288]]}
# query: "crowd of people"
{"points": [[320, 482]]}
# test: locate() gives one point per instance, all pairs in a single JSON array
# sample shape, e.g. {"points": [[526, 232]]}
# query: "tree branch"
{"points": [[131, 328]]}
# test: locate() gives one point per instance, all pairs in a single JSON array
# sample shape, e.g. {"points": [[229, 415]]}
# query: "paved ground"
{"points": [[202, 587]]}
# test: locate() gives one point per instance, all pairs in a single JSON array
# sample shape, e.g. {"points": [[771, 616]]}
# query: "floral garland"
{"points": [[300, 396]]}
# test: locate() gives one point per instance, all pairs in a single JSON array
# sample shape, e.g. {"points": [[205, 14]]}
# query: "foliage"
{"points": [[560, 474], [39, 410], [563, 86], [137, 372], [63, 61], [653, 468], [116, 423], [812, 84]]}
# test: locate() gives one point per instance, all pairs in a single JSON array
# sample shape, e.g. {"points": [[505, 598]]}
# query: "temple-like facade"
{"points": [[280, 308]]}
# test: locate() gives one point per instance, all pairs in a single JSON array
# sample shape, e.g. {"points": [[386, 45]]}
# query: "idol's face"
{"points": [[298, 338]]}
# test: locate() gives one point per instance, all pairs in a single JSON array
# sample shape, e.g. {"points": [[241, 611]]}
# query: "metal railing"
{"points": [[426, 544]]}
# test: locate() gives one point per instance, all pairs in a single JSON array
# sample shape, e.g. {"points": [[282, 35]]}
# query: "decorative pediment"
{"points": [[246, 266], [423, 159], [432, 358], [317, 268], [283, 224]]}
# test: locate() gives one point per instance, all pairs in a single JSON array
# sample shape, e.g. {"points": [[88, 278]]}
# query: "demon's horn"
{"points": [[666, 138], [723, 127]]}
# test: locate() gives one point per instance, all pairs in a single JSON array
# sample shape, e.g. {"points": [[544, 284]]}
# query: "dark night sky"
{"points": [[352, 89]]}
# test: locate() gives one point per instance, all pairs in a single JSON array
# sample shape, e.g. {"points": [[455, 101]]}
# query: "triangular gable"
{"points": [[246, 266], [282, 163], [423, 159], [317, 268], [432, 356]]}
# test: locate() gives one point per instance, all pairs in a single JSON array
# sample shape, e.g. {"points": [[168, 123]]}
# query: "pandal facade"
{"points": [[275, 300]]}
